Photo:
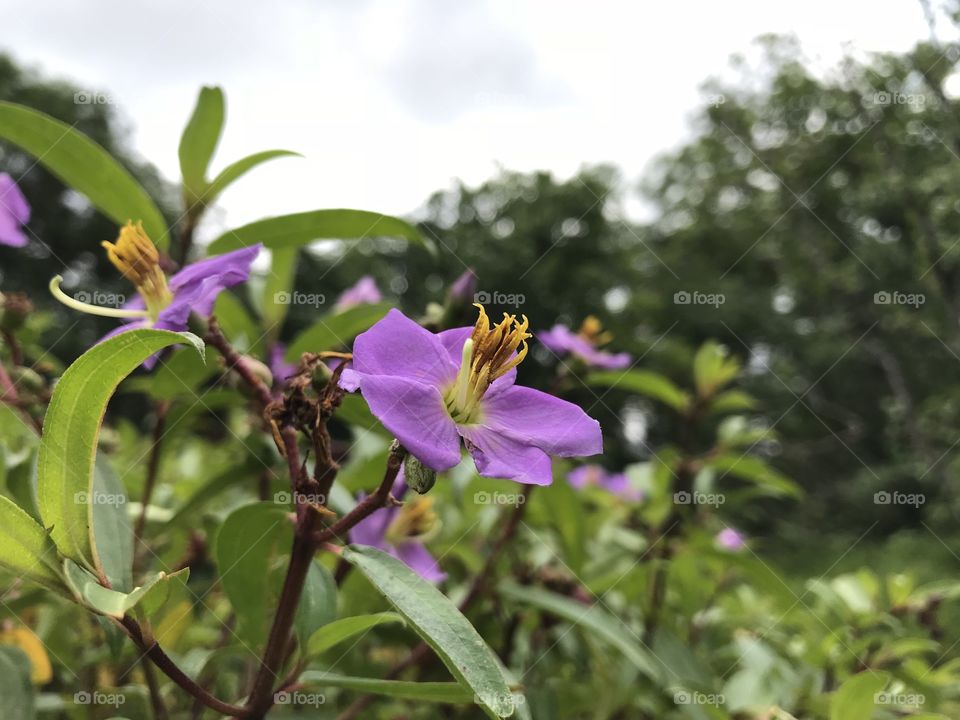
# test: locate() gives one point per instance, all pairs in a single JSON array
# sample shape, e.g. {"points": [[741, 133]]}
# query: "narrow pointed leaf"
{"points": [[71, 428], [241, 167], [25, 547], [84, 166], [438, 621], [200, 138], [301, 229], [346, 628], [335, 331], [444, 692]]}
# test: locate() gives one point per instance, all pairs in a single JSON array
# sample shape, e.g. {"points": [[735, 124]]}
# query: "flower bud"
{"points": [[418, 476], [14, 309]]}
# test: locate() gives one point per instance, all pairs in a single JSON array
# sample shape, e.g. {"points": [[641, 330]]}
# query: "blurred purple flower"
{"points": [[363, 292], [464, 287], [595, 475], [730, 539], [280, 368], [584, 344], [14, 212], [400, 530], [430, 390]]}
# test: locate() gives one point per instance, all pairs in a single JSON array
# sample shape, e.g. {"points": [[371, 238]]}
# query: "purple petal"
{"points": [[535, 418], [605, 360], [730, 539], [619, 484], [559, 339], [416, 556], [499, 456], [280, 368], [363, 292], [10, 232], [416, 415], [14, 212], [233, 267], [398, 346], [373, 528], [12, 201]]}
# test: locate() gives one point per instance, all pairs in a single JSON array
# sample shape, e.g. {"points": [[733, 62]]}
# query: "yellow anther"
{"points": [[488, 354], [592, 331], [136, 257], [416, 520]]}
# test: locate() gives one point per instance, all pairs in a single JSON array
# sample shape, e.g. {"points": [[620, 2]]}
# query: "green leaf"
{"points": [[25, 548], [855, 698], [283, 264], [249, 543], [334, 331], [732, 401], [756, 471], [443, 692], [244, 332], [318, 603], [643, 382], [111, 526], [15, 686], [438, 621], [70, 430], [303, 228], [354, 410], [713, 368], [200, 138], [236, 170], [565, 509], [84, 166], [180, 374], [592, 620], [346, 628], [90, 593]]}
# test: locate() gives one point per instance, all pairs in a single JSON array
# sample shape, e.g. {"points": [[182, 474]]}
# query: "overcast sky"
{"points": [[390, 101]]}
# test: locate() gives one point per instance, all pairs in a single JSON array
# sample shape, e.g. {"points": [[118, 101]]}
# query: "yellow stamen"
{"points": [[136, 257], [592, 331], [488, 354], [415, 520]]}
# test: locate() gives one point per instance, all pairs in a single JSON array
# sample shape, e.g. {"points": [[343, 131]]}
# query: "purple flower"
{"points": [[14, 212], [730, 539], [596, 475], [431, 390], [401, 530], [364, 292], [584, 344], [164, 303]]}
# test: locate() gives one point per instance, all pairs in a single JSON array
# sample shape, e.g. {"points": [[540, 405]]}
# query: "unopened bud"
{"points": [[418, 476]]}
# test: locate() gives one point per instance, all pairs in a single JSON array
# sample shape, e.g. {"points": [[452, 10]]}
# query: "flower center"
{"points": [[415, 520], [488, 354], [137, 259]]}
